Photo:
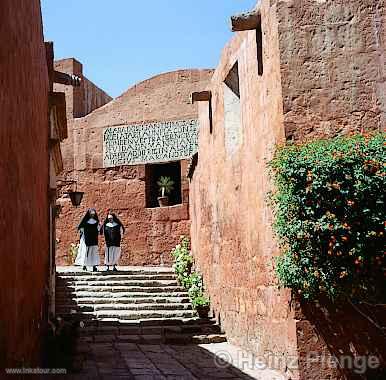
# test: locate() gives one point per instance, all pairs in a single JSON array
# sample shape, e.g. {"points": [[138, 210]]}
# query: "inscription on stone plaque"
{"points": [[149, 143]]}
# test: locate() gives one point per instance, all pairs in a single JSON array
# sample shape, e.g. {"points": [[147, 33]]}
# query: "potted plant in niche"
{"points": [[166, 186], [202, 305]]}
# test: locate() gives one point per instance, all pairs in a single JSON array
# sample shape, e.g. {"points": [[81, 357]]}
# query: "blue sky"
{"points": [[121, 42]]}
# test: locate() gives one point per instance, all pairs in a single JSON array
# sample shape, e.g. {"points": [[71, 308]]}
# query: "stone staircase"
{"points": [[135, 305]]}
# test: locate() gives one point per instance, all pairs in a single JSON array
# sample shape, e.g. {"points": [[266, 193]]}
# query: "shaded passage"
{"points": [[108, 361]]}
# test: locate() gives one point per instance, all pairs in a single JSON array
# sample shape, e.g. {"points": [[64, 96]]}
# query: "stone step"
{"points": [[157, 328], [134, 305], [119, 315], [76, 284], [176, 339], [123, 271], [114, 277], [116, 289], [150, 322], [112, 297], [123, 300], [194, 339], [66, 308]]}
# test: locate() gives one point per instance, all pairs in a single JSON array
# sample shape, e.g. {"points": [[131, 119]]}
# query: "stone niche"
{"points": [[232, 111]]}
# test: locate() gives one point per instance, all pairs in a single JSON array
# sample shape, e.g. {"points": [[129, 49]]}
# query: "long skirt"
{"points": [[112, 255], [87, 256]]}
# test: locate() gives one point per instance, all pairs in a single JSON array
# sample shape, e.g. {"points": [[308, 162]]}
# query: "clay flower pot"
{"points": [[163, 201], [203, 311], [189, 267]]}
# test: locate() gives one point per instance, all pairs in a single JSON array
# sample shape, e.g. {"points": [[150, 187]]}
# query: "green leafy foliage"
{"points": [[330, 216], [166, 185], [72, 253], [183, 262], [196, 285], [189, 279], [200, 301]]}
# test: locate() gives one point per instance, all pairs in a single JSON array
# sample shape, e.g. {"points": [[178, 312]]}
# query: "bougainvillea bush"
{"points": [[330, 216]]}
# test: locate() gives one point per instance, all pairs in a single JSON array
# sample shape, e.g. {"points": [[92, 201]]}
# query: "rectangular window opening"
{"points": [[232, 110], [259, 44], [232, 80], [210, 116], [153, 173]]}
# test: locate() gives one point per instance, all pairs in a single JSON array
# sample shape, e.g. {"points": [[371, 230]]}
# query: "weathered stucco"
{"points": [[24, 175], [151, 233], [322, 76]]}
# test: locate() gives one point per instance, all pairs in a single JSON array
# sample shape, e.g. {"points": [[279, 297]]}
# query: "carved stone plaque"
{"points": [[149, 143]]}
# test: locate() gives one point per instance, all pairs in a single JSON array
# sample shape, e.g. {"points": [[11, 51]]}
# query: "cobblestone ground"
{"points": [[118, 361]]}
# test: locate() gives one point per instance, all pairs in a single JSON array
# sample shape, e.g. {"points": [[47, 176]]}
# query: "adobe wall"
{"points": [[83, 99], [333, 83], [24, 242], [151, 233], [332, 66], [80, 101], [313, 85], [232, 239]]}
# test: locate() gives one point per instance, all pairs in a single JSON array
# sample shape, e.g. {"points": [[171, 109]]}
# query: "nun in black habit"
{"points": [[88, 246], [112, 229]]}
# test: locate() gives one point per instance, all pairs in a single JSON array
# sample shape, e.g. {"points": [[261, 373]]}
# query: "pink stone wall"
{"points": [[332, 66], [232, 238], [323, 76]]}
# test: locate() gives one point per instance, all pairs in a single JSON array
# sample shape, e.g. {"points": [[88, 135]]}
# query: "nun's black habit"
{"points": [[90, 230], [112, 231], [88, 245]]}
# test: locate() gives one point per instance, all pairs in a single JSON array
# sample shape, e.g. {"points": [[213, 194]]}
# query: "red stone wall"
{"points": [[83, 99], [313, 85], [232, 238], [151, 233], [80, 101], [24, 241], [332, 66]]}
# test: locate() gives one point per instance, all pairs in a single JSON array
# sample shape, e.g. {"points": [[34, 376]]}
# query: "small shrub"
{"points": [[183, 261], [190, 280], [200, 301], [166, 185], [72, 253], [196, 285], [330, 216]]}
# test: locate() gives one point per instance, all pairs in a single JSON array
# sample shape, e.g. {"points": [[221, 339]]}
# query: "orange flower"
{"points": [[343, 274]]}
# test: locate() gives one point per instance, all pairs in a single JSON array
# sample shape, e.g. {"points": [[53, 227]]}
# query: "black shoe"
{"points": [[94, 269], [115, 269], [85, 268], [107, 268]]}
